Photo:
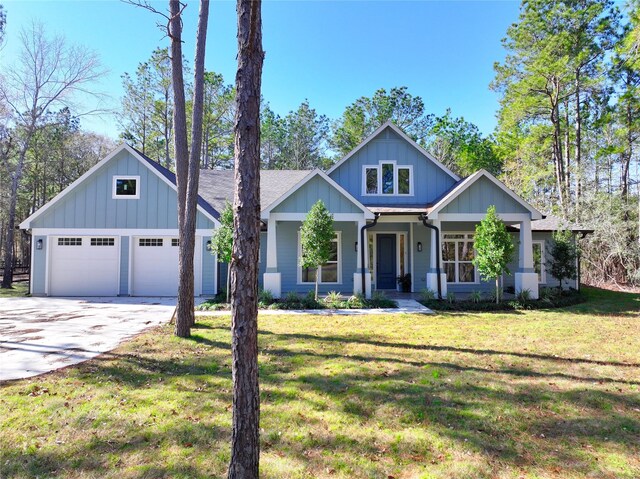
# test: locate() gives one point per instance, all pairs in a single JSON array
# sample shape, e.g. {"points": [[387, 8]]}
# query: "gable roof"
{"points": [[467, 182], [163, 173], [171, 177], [216, 186], [310, 175], [404, 136]]}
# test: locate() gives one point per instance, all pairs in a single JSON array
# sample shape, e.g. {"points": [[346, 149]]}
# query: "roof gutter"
{"points": [[424, 219], [362, 243]]}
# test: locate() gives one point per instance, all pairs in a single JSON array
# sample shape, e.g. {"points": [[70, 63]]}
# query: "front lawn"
{"points": [[520, 394]]}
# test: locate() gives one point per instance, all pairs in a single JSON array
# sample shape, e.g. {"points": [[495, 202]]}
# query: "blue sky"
{"points": [[329, 52]]}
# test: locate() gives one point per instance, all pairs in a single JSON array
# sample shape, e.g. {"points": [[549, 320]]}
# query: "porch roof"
{"points": [[552, 223], [399, 210]]}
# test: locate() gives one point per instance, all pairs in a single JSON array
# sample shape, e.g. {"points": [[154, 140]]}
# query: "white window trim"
{"points": [[456, 261], [395, 179], [339, 269], [364, 179], [543, 269], [126, 197]]}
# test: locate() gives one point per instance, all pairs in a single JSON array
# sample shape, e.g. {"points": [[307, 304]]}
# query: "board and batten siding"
{"points": [[429, 180], [125, 243], [479, 196], [287, 239], [421, 259], [209, 269], [91, 205], [317, 188], [549, 281], [39, 266]]}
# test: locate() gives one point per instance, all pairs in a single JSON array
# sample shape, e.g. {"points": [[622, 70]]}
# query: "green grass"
{"points": [[520, 394], [18, 290]]}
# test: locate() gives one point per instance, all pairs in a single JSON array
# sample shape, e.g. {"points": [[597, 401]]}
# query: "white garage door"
{"points": [[84, 266], [155, 266]]}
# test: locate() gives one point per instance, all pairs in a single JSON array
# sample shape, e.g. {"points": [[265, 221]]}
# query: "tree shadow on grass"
{"points": [[366, 340], [488, 410], [99, 455]]}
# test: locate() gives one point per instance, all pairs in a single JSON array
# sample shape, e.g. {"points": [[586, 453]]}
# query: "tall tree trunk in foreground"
{"points": [[196, 144], [186, 170], [245, 446]]}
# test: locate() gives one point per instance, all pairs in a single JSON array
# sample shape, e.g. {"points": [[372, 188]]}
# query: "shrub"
{"points": [[380, 300], [451, 297], [523, 296], [428, 294], [357, 301], [310, 302], [333, 299], [569, 298], [475, 296], [265, 297]]}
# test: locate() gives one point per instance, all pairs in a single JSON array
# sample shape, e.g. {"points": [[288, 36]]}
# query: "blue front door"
{"points": [[386, 262]]}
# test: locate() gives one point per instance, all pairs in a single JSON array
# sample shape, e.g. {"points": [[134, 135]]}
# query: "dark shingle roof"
{"points": [[553, 223], [216, 186], [169, 175]]}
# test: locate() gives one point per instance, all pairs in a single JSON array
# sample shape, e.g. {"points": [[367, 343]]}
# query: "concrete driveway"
{"points": [[38, 335]]}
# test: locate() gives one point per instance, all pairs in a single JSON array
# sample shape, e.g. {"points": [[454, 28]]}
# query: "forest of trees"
{"points": [[567, 138]]}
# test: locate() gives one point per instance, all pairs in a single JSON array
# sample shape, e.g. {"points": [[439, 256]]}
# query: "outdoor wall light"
{"points": [[419, 246], [209, 245], [356, 246], [39, 244]]}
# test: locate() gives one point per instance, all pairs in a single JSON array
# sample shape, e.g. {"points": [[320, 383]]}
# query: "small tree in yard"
{"points": [[563, 256], [494, 248], [222, 240], [316, 236]]}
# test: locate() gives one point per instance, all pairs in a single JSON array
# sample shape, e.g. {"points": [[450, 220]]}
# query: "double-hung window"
{"points": [[387, 178], [457, 257], [329, 272]]}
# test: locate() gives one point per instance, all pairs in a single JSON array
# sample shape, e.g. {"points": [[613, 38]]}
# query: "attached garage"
{"points": [[114, 232], [84, 266], [154, 266]]}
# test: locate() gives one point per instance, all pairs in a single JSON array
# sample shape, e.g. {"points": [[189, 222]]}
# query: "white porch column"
{"points": [[432, 274], [271, 278], [357, 276], [526, 278]]}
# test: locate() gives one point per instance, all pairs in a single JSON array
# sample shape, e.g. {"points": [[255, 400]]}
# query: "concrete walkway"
{"points": [[405, 306], [38, 335]]}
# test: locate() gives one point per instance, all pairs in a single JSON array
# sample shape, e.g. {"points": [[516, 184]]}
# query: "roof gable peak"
{"points": [[396, 129]]}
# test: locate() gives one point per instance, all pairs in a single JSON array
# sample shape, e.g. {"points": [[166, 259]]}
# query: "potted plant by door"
{"points": [[405, 282]]}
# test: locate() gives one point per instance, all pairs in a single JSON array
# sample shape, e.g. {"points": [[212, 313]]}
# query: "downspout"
{"points": [[362, 272], [424, 219]]}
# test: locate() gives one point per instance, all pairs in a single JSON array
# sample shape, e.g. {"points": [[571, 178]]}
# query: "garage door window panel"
{"points": [[150, 241], [69, 241], [103, 242]]}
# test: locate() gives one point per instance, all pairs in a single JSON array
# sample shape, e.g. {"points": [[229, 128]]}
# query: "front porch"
{"points": [[435, 254]]}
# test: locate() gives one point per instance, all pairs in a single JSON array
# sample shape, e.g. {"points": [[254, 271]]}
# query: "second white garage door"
{"points": [[154, 269]]}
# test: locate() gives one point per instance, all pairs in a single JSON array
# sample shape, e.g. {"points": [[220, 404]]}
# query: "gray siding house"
{"points": [[397, 211]]}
